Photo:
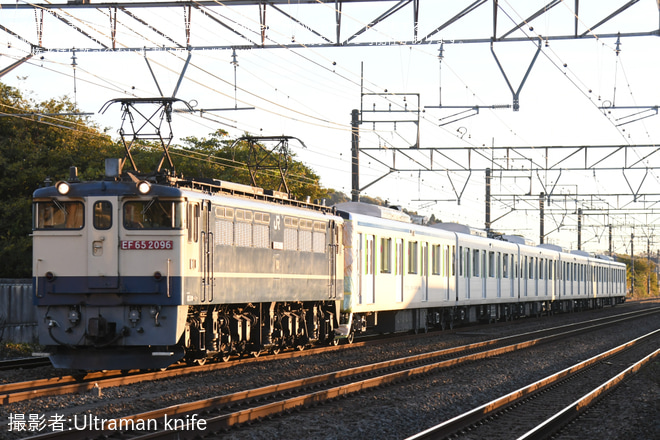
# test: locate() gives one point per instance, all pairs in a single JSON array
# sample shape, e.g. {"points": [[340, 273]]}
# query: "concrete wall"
{"points": [[18, 317]]}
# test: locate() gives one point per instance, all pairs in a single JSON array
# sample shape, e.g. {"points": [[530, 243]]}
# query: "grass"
{"points": [[9, 350]]}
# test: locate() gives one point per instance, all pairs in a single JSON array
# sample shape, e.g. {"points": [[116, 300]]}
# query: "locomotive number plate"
{"points": [[147, 245]]}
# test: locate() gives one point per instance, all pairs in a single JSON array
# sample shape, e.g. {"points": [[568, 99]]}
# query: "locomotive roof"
{"points": [[234, 194]]}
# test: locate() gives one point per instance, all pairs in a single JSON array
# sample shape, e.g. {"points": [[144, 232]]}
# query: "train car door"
{"points": [[332, 258], [498, 273], [398, 269], [425, 271], [368, 257], [207, 247], [103, 238]]}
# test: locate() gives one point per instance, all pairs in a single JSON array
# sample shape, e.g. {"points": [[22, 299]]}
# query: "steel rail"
{"points": [[21, 391], [572, 411], [449, 427], [379, 375], [15, 364]]}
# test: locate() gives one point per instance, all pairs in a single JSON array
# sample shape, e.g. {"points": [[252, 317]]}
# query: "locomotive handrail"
{"points": [[168, 278]]}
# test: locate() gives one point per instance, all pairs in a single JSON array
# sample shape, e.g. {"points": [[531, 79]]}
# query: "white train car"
{"points": [[395, 271], [400, 276]]}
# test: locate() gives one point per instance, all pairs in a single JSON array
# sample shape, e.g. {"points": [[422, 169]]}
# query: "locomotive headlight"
{"points": [[143, 187], [63, 187]]}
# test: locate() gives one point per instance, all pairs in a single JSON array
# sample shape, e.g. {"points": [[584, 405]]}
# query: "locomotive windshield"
{"points": [[153, 214], [54, 214]]}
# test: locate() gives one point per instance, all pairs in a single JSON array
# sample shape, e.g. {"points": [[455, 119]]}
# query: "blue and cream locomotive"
{"points": [[134, 273]]}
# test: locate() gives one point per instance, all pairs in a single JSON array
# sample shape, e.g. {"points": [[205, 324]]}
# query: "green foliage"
{"points": [[221, 158], [34, 146], [646, 279], [11, 350]]}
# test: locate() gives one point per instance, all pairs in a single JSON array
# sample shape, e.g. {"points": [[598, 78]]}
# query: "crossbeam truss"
{"points": [[255, 24], [83, 26]]}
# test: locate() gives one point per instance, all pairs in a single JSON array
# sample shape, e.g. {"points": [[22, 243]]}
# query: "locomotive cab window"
{"points": [[103, 215], [54, 214], [153, 214]]}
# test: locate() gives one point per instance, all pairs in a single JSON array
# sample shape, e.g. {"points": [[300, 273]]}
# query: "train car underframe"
{"points": [[423, 319], [220, 331]]}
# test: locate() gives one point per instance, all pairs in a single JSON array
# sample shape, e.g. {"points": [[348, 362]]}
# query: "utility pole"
{"points": [[632, 264], [542, 217], [648, 267], [579, 229], [488, 179], [355, 155]]}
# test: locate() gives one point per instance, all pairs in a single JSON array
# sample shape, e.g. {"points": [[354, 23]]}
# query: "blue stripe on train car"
{"points": [[131, 290]]}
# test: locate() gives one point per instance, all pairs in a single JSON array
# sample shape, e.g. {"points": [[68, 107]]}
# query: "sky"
{"points": [[309, 93]]}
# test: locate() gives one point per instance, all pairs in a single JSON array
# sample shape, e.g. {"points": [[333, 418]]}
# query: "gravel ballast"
{"points": [[393, 412]]}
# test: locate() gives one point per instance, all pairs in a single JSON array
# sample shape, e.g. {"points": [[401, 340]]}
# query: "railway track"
{"points": [[21, 391], [539, 410], [23, 363], [223, 412]]}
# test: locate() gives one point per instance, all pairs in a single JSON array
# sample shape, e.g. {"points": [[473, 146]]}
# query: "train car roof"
{"points": [[372, 211]]}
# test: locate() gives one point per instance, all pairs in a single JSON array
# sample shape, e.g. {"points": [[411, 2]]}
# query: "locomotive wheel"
{"points": [[333, 342], [350, 338], [255, 354], [276, 350]]}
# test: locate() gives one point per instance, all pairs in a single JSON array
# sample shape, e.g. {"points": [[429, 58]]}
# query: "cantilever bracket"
{"points": [[516, 93], [635, 193]]}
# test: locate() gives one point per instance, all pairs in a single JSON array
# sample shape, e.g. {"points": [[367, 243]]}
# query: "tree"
{"points": [[225, 159], [37, 143], [34, 145]]}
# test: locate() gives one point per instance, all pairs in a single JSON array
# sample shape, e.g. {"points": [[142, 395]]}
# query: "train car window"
{"points": [[505, 266], [102, 215], [484, 265], [54, 214], [369, 255], [386, 255], [499, 265], [153, 214], [541, 268], [193, 220], [436, 259], [290, 222], [461, 258], [491, 264], [413, 256], [550, 264], [453, 260], [425, 261], [265, 218], [475, 263]]}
